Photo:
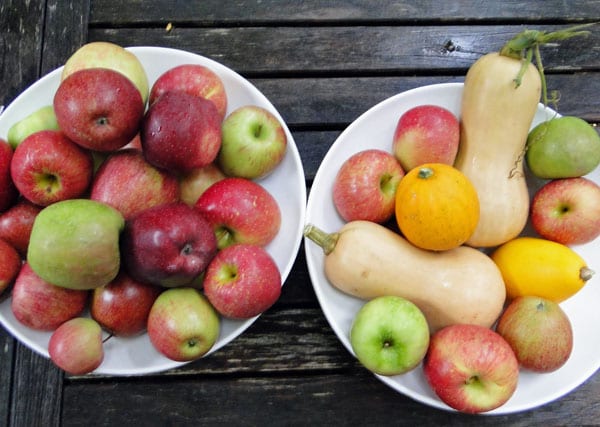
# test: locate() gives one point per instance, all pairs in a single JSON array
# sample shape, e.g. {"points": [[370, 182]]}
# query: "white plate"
{"points": [[375, 129], [136, 356]]}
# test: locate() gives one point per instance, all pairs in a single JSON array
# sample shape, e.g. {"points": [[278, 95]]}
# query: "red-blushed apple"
{"points": [[240, 211], [98, 108], [194, 183], [539, 332], [16, 224], [41, 305], [48, 167], [182, 324], [426, 134], [181, 132], [76, 346], [193, 79], [168, 245], [567, 211], [471, 368], [242, 281], [8, 191], [41, 119], [10, 264], [128, 183], [365, 186], [122, 306], [253, 142]]}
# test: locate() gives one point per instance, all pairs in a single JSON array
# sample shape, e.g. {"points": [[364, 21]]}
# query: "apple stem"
{"points": [[327, 241], [110, 335], [586, 273]]}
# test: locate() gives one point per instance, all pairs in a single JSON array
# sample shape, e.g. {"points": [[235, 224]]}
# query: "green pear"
{"points": [[75, 243], [563, 147], [41, 119]]}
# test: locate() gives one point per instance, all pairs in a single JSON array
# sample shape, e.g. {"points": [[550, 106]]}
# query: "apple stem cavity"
{"points": [[327, 241]]}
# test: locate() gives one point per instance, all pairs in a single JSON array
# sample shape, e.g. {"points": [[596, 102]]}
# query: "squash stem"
{"points": [[327, 241]]}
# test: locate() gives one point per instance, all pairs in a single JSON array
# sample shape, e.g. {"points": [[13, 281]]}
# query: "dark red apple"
{"points": [[98, 108], [16, 224], [10, 264], [168, 245], [8, 192]]}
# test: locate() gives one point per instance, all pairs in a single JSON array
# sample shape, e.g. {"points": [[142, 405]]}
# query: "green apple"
{"points": [[389, 335], [41, 119], [75, 243]]}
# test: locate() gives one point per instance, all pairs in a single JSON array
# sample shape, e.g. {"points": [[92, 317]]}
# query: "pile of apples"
{"points": [[126, 208]]}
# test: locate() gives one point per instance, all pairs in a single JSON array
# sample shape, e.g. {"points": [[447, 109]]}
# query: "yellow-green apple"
{"points": [[194, 79], [122, 306], [389, 335], [10, 265], [240, 211], [426, 134], [539, 332], [567, 211], [98, 108], [194, 183], [108, 55], [181, 132], [182, 324], [76, 346], [168, 245], [41, 119], [48, 167], [8, 191], [365, 186], [242, 281], [16, 224], [128, 183], [253, 142], [471, 368], [75, 243], [41, 305]]}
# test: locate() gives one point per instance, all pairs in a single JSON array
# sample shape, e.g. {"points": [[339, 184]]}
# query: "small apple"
{"points": [[194, 183], [471, 368], [194, 79], [567, 211], [8, 191], [41, 119], [539, 332], [48, 167], [41, 305], [426, 134], [242, 281], [128, 183], [122, 306], [365, 186], [254, 142], [76, 346], [182, 325], [181, 132], [108, 55], [240, 211], [168, 245], [16, 224], [75, 243], [98, 108], [10, 264], [389, 335]]}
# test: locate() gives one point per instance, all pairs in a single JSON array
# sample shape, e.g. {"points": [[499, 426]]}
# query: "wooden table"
{"points": [[321, 63]]}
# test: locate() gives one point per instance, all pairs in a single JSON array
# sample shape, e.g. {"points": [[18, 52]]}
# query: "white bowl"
{"points": [[136, 356], [375, 129]]}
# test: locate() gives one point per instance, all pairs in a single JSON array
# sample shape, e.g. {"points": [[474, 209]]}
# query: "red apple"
{"points": [[471, 368], [168, 245], [240, 211], [567, 211], [8, 192], [41, 305], [16, 224], [128, 183], [242, 281], [48, 167], [122, 306], [181, 132], [365, 186], [426, 134], [539, 332], [10, 264], [76, 346], [98, 108], [193, 79], [194, 183]]}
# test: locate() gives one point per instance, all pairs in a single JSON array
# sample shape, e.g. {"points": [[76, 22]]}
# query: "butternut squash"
{"points": [[367, 260]]}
